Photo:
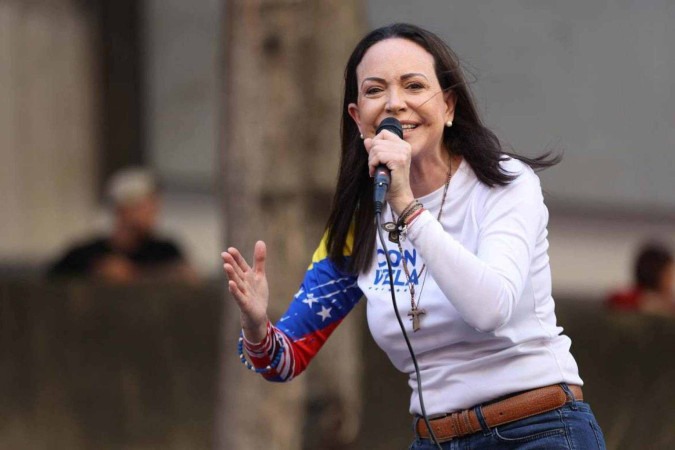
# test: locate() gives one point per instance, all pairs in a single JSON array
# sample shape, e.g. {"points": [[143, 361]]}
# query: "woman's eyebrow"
{"points": [[376, 79], [413, 74], [403, 77]]}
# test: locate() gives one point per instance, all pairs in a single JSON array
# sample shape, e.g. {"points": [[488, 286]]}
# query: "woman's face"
{"points": [[396, 78]]}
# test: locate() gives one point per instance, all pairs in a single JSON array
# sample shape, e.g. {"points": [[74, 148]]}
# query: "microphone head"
{"points": [[391, 124]]}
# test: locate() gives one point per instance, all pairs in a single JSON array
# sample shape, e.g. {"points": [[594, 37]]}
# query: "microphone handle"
{"points": [[382, 173], [382, 179]]}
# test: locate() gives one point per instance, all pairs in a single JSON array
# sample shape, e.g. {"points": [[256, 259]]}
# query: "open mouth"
{"points": [[408, 126]]}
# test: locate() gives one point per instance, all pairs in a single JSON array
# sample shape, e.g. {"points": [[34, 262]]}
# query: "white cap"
{"points": [[130, 185]]}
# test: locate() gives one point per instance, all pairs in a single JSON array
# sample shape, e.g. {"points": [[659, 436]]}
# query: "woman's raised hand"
{"points": [[249, 288]]}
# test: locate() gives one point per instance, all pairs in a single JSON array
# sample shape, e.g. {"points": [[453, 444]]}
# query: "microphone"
{"points": [[382, 176]]}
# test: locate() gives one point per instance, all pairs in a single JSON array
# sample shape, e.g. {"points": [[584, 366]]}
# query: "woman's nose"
{"points": [[395, 102]]}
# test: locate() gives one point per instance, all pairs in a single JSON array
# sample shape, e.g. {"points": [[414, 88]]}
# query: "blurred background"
{"points": [[233, 107]]}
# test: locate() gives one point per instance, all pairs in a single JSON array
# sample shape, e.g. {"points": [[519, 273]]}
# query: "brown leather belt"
{"points": [[519, 406]]}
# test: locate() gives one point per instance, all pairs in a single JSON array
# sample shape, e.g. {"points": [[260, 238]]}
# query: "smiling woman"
{"points": [[397, 79], [471, 268]]}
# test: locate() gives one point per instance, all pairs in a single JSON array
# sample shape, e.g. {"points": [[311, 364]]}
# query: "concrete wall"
{"points": [[88, 366], [91, 366]]}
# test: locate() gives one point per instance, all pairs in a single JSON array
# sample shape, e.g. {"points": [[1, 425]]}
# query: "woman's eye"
{"points": [[415, 86], [373, 90]]}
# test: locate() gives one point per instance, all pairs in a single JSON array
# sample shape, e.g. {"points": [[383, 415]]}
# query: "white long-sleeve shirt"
{"points": [[489, 328]]}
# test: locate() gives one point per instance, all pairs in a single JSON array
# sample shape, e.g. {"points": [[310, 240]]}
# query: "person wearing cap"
{"points": [[132, 251]]}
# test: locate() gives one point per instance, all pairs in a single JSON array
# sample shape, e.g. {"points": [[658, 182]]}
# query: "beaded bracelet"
{"points": [[408, 208], [413, 216], [272, 365], [403, 218]]}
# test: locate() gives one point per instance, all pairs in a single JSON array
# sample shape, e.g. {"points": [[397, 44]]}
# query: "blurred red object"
{"points": [[625, 300]]}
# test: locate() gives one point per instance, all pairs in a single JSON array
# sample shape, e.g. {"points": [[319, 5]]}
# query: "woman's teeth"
{"points": [[408, 126]]}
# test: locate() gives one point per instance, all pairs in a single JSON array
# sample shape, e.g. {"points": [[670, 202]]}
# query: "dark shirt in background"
{"points": [[152, 253]]}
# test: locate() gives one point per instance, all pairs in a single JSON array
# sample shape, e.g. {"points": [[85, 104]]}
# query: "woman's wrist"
{"points": [[399, 204], [255, 333], [264, 356]]}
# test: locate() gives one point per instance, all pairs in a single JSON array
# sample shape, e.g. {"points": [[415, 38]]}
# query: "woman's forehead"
{"points": [[394, 57]]}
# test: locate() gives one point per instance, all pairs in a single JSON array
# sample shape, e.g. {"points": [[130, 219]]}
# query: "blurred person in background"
{"points": [[132, 251], [468, 240], [653, 290]]}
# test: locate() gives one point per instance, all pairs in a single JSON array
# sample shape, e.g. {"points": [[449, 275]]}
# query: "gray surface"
{"points": [[182, 45], [595, 79]]}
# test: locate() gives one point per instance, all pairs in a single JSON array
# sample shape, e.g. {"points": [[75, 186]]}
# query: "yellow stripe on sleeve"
{"points": [[321, 252]]}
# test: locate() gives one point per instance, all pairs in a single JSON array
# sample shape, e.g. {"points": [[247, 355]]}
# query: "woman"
{"points": [[470, 267]]}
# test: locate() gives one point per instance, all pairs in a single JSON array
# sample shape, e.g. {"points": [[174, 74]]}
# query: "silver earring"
{"points": [[448, 123], [361, 136]]}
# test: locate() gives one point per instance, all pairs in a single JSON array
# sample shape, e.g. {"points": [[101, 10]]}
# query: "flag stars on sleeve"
{"points": [[310, 300], [324, 313]]}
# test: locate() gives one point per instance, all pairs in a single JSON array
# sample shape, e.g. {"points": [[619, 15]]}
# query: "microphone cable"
{"points": [[378, 219]]}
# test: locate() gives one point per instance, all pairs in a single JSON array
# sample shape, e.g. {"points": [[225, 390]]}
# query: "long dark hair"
{"points": [[468, 137]]}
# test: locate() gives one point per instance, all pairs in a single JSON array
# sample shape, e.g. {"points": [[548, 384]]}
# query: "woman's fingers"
{"points": [[233, 277], [368, 143], [234, 271], [242, 291], [386, 135], [248, 286], [259, 258], [239, 259], [393, 158], [387, 148], [238, 271], [239, 264], [244, 280]]}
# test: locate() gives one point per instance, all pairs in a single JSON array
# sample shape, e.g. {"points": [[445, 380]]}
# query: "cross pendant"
{"points": [[415, 314]]}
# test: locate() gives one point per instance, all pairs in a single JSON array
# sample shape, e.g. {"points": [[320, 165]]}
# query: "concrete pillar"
{"points": [[283, 68], [47, 126]]}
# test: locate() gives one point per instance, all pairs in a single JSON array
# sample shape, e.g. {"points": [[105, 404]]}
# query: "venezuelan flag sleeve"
{"points": [[325, 297]]}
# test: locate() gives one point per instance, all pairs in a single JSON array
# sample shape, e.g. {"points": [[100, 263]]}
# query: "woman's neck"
{"points": [[429, 174]]}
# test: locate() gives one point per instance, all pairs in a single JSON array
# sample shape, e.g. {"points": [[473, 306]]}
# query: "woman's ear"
{"points": [[353, 111], [450, 101]]}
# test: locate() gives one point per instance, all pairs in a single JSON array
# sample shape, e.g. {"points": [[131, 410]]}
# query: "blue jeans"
{"points": [[572, 426]]}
